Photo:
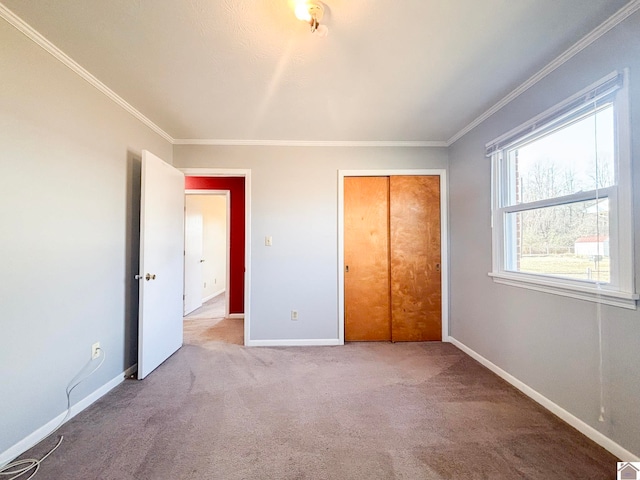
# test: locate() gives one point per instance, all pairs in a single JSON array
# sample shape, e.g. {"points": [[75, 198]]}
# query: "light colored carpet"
{"points": [[202, 331], [359, 411], [214, 308], [207, 324]]}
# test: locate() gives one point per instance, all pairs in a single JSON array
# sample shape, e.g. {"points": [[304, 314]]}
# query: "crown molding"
{"points": [[626, 11], [308, 143], [62, 57], [58, 54]]}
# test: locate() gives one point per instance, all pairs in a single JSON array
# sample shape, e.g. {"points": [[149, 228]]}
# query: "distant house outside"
{"points": [[591, 246]]}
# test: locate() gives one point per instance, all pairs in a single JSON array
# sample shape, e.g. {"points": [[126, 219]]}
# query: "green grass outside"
{"points": [[566, 266]]}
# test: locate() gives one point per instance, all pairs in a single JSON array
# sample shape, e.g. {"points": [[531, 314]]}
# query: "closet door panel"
{"points": [[366, 253], [414, 219]]}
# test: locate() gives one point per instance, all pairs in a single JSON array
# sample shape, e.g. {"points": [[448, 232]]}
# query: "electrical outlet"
{"points": [[95, 350], [294, 315]]}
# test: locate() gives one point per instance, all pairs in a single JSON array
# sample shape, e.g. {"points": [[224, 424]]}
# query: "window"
{"points": [[562, 199]]}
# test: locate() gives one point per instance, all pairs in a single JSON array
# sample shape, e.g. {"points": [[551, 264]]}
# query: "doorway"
{"points": [[238, 183], [207, 270], [403, 285], [206, 264]]}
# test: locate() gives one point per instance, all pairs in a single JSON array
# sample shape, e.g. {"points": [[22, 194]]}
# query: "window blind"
{"points": [[591, 95]]}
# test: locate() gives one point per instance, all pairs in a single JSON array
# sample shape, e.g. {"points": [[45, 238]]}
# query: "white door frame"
{"points": [[227, 195], [246, 173], [444, 237]]}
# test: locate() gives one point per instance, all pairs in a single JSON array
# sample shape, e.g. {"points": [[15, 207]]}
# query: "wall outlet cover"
{"points": [[95, 350]]}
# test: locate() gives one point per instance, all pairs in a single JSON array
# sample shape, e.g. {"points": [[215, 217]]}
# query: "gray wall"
{"points": [[548, 342], [294, 198], [69, 180]]}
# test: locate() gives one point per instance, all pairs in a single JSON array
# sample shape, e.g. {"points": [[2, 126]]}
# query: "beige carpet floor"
{"points": [[359, 411], [202, 331], [207, 324], [214, 308]]}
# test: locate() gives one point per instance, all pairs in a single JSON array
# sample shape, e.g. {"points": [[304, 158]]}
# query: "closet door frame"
{"points": [[444, 230]]}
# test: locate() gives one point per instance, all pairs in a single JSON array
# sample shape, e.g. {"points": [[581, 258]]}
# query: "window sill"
{"points": [[566, 289]]}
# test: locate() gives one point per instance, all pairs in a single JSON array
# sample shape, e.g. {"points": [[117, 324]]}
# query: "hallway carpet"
{"points": [[202, 331], [207, 324], [213, 308], [360, 411]]}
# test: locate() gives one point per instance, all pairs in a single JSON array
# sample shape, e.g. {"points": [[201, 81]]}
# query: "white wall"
{"points": [[214, 244], [69, 159], [548, 342], [294, 199], [69, 181]]}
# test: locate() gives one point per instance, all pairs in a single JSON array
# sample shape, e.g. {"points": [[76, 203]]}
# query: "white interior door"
{"points": [[161, 263], [193, 255]]}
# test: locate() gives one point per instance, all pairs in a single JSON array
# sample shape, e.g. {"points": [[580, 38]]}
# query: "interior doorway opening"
{"points": [[206, 265], [238, 182], [207, 270]]}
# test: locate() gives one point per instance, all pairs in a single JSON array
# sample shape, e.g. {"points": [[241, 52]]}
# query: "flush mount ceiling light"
{"points": [[312, 13]]}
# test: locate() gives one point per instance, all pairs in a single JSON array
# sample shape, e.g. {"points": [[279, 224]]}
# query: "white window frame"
{"points": [[620, 291]]}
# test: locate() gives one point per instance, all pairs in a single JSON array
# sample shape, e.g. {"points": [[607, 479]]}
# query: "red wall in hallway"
{"points": [[237, 223]]}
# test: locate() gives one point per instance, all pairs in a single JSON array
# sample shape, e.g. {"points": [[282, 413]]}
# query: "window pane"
{"points": [[577, 157], [569, 241]]}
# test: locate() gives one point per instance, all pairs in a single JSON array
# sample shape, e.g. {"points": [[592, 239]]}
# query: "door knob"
{"points": [[346, 268], [437, 267], [149, 276]]}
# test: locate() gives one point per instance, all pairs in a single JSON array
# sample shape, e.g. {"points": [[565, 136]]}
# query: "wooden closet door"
{"points": [[366, 254], [416, 299]]}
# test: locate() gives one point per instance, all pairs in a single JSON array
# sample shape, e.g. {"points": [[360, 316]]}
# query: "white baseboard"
{"points": [[236, 315], [328, 342], [214, 295], [587, 430], [35, 437]]}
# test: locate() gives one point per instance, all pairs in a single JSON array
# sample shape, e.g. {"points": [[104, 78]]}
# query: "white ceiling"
{"points": [[389, 70]]}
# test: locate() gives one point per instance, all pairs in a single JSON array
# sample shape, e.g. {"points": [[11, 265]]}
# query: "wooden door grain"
{"points": [[366, 253], [416, 285]]}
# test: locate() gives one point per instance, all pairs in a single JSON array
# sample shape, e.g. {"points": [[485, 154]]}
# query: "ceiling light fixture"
{"points": [[312, 13]]}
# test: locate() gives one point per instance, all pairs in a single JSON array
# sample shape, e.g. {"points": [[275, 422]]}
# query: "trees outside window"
{"points": [[562, 211]]}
